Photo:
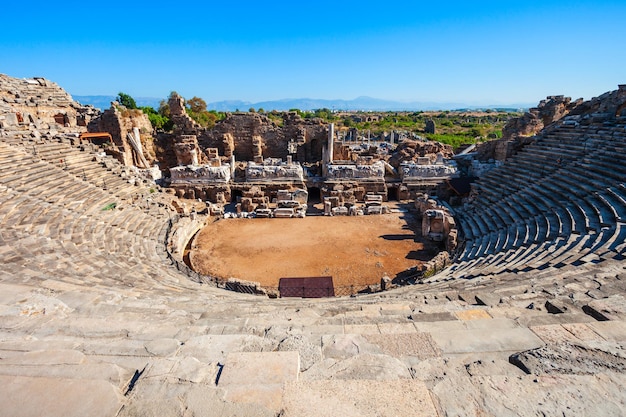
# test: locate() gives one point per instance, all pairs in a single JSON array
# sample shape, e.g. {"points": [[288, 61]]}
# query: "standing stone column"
{"points": [[331, 142]]}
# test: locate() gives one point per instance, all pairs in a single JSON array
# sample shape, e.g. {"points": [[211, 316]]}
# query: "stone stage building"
{"points": [[249, 151]]}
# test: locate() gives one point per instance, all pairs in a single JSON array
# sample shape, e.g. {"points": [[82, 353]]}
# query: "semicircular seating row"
{"points": [[54, 223], [561, 201]]}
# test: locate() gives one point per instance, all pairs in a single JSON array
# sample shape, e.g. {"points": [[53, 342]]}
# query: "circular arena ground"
{"points": [[353, 250]]}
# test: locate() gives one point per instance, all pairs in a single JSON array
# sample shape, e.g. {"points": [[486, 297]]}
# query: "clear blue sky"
{"points": [[492, 52]]}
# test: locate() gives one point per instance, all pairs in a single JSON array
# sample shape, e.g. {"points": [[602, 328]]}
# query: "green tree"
{"points": [[196, 104], [164, 109], [157, 119], [300, 113], [196, 109], [126, 100], [324, 114]]}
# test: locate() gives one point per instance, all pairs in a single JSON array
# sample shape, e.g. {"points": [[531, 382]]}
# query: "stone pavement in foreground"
{"points": [[76, 349]]}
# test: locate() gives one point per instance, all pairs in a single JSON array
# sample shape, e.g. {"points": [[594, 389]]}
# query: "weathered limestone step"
{"points": [[62, 397], [357, 397], [69, 364], [480, 335], [258, 378]]}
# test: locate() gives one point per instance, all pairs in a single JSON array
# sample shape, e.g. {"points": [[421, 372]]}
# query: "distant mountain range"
{"points": [[104, 102], [359, 103]]}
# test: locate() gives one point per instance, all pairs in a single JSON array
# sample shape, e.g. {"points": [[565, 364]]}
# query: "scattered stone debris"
{"points": [[568, 359]]}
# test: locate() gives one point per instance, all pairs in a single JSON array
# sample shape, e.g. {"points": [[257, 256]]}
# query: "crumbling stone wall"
{"points": [[246, 135], [550, 112], [187, 151], [310, 135], [609, 105], [40, 103], [439, 219], [183, 124], [519, 131], [119, 122], [348, 193], [254, 136], [411, 150]]}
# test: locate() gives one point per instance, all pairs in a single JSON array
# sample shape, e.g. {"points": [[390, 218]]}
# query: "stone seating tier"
{"points": [[567, 209]]}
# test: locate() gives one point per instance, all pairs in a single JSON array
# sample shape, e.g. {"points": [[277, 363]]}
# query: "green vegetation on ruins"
{"points": [[454, 128]]}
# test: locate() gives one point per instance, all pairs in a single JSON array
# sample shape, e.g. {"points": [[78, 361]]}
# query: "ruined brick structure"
{"points": [[517, 131], [41, 103], [345, 172], [119, 122], [251, 136]]}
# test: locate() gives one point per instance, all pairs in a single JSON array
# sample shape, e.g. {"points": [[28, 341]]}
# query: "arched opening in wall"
{"points": [[392, 194], [59, 118]]}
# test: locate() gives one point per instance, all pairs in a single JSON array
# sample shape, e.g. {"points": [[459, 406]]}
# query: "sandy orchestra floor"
{"points": [[353, 250]]}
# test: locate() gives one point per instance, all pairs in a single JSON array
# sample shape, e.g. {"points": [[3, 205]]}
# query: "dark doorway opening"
{"points": [[314, 195], [392, 194], [316, 150], [236, 196]]}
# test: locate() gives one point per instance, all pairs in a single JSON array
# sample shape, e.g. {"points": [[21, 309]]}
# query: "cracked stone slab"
{"points": [[309, 348], [258, 377], [364, 398], [566, 358], [486, 340], [475, 314], [62, 397], [393, 328], [610, 330], [581, 331], [343, 346], [215, 348], [529, 395], [420, 345], [192, 370], [554, 333], [367, 366], [611, 308], [162, 347], [46, 357]]}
